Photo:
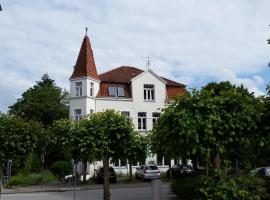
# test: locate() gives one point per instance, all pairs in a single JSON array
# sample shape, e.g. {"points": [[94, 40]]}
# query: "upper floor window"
{"points": [[116, 91], [142, 121], [78, 88], [77, 114], [112, 91], [149, 92], [155, 116], [120, 91], [91, 89]]}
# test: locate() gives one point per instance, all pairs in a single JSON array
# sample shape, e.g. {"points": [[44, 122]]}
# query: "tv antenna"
{"points": [[148, 61]]}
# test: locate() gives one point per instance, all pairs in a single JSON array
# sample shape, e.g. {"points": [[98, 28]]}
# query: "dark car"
{"points": [[261, 171], [99, 175], [178, 171]]}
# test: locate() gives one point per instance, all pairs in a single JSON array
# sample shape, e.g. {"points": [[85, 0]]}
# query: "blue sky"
{"points": [[194, 41]]}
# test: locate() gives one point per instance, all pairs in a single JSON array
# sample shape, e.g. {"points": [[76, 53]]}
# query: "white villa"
{"points": [[138, 94]]}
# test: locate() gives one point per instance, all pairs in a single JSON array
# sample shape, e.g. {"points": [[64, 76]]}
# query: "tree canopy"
{"points": [[18, 138], [208, 123], [44, 102]]}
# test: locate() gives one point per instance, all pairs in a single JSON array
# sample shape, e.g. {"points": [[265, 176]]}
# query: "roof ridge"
{"points": [[119, 68]]}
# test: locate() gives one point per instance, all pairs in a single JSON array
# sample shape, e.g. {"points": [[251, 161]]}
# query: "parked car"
{"points": [[261, 171], [99, 175], [178, 171], [147, 172], [71, 179]]}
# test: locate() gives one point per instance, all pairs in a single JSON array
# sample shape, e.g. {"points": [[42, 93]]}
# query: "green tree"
{"points": [[207, 124], [137, 150], [18, 138], [44, 102], [114, 132]]}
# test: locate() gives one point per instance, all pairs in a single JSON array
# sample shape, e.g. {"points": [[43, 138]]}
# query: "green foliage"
{"points": [[242, 188], [204, 124], [44, 102], [28, 179], [186, 187], [61, 168], [206, 188], [18, 138], [137, 150]]}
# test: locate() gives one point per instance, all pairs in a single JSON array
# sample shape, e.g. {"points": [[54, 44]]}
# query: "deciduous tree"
{"points": [[18, 138], [44, 102]]}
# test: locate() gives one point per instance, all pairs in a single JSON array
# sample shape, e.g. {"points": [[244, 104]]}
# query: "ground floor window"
{"points": [[142, 121], [77, 114]]}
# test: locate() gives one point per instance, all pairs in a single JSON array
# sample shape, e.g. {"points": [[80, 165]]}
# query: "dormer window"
{"points": [[116, 91], [78, 88], [149, 92], [112, 91], [120, 91]]}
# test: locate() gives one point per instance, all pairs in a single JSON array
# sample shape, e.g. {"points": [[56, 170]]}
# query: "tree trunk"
{"points": [[106, 184], [1, 177], [84, 170], [216, 163], [130, 171], [237, 167], [170, 170]]}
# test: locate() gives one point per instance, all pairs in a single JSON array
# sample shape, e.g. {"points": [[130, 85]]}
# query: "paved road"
{"points": [[137, 193]]}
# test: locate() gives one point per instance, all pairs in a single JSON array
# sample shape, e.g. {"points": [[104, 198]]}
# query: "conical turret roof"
{"points": [[85, 65]]}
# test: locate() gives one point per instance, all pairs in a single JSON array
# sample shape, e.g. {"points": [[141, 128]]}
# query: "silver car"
{"points": [[147, 172]]}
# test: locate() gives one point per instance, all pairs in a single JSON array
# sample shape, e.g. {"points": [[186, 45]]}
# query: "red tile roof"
{"points": [[85, 65], [173, 91], [123, 75]]}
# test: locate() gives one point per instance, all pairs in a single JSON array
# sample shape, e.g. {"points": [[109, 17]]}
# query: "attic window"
{"points": [[116, 91], [112, 91], [120, 91]]}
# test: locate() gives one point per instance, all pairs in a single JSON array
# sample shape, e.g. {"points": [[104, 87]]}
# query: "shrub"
{"points": [[25, 179], [61, 168], [215, 188]]}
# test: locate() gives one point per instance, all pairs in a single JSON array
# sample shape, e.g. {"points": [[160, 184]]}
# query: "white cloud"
{"points": [[194, 40], [253, 84]]}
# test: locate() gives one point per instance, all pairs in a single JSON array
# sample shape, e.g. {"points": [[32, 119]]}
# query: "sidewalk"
{"points": [[53, 187]]}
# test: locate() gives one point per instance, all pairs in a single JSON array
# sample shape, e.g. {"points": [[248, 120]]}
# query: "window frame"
{"points": [[92, 89], [114, 89], [142, 121], [149, 92], [78, 89], [77, 116], [155, 118]]}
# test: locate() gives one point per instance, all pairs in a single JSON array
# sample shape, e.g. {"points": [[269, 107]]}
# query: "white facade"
{"points": [[136, 105], [133, 105]]}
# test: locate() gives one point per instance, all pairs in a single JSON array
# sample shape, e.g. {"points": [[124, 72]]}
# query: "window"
{"points": [[112, 91], [149, 93], [116, 91], [155, 116], [91, 89], [142, 121], [120, 91], [78, 88], [91, 111], [77, 113], [125, 113]]}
